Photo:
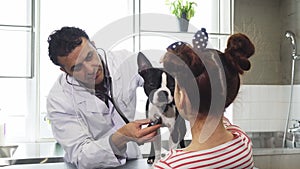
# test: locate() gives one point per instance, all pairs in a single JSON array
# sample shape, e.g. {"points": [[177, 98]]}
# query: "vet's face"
{"points": [[158, 86], [84, 64]]}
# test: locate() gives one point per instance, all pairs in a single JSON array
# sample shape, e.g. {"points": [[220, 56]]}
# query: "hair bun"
{"points": [[239, 49]]}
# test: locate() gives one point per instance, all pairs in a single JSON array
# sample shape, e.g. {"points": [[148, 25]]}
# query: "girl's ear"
{"points": [[181, 98]]}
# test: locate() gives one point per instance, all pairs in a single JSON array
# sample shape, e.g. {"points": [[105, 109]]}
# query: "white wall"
{"points": [[265, 107]]}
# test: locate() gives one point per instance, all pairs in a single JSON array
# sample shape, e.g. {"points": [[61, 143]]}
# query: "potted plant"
{"points": [[184, 10]]}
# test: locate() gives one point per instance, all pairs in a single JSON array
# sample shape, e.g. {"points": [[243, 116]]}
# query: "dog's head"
{"points": [[158, 84]]}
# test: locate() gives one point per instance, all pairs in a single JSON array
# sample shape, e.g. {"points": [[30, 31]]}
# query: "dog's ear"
{"points": [[143, 62]]}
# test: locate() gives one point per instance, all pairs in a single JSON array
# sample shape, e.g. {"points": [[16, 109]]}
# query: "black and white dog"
{"points": [[160, 107]]}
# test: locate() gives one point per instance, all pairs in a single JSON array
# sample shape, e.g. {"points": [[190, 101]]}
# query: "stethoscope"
{"points": [[108, 85]]}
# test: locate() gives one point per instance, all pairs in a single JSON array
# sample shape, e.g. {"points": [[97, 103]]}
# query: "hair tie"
{"points": [[200, 41]]}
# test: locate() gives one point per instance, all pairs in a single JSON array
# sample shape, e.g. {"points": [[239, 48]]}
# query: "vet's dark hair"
{"points": [[64, 41], [233, 61]]}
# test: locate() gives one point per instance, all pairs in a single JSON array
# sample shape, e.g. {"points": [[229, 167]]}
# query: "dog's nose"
{"points": [[163, 96]]}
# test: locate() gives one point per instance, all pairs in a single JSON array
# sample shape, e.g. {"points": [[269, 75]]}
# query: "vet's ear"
{"points": [[143, 62], [62, 69], [93, 43]]}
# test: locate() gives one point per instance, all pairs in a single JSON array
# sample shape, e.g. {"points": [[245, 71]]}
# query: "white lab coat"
{"points": [[124, 71], [82, 123]]}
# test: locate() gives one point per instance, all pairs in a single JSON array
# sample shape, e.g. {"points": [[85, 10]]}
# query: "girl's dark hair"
{"points": [[64, 41], [181, 60]]}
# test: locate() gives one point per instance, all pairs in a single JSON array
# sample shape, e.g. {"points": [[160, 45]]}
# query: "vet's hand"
{"points": [[143, 135], [133, 131]]}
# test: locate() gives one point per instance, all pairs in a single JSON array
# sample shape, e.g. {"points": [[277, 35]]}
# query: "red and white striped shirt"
{"points": [[236, 153]]}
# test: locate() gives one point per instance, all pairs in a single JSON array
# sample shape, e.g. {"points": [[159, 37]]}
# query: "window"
{"points": [[17, 37], [17, 22], [26, 72], [214, 15]]}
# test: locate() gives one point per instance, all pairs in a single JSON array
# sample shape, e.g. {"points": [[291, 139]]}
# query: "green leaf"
{"points": [[180, 7]]}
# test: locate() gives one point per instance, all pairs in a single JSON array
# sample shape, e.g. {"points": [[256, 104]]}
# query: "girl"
{"points": [[207, 81]]}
